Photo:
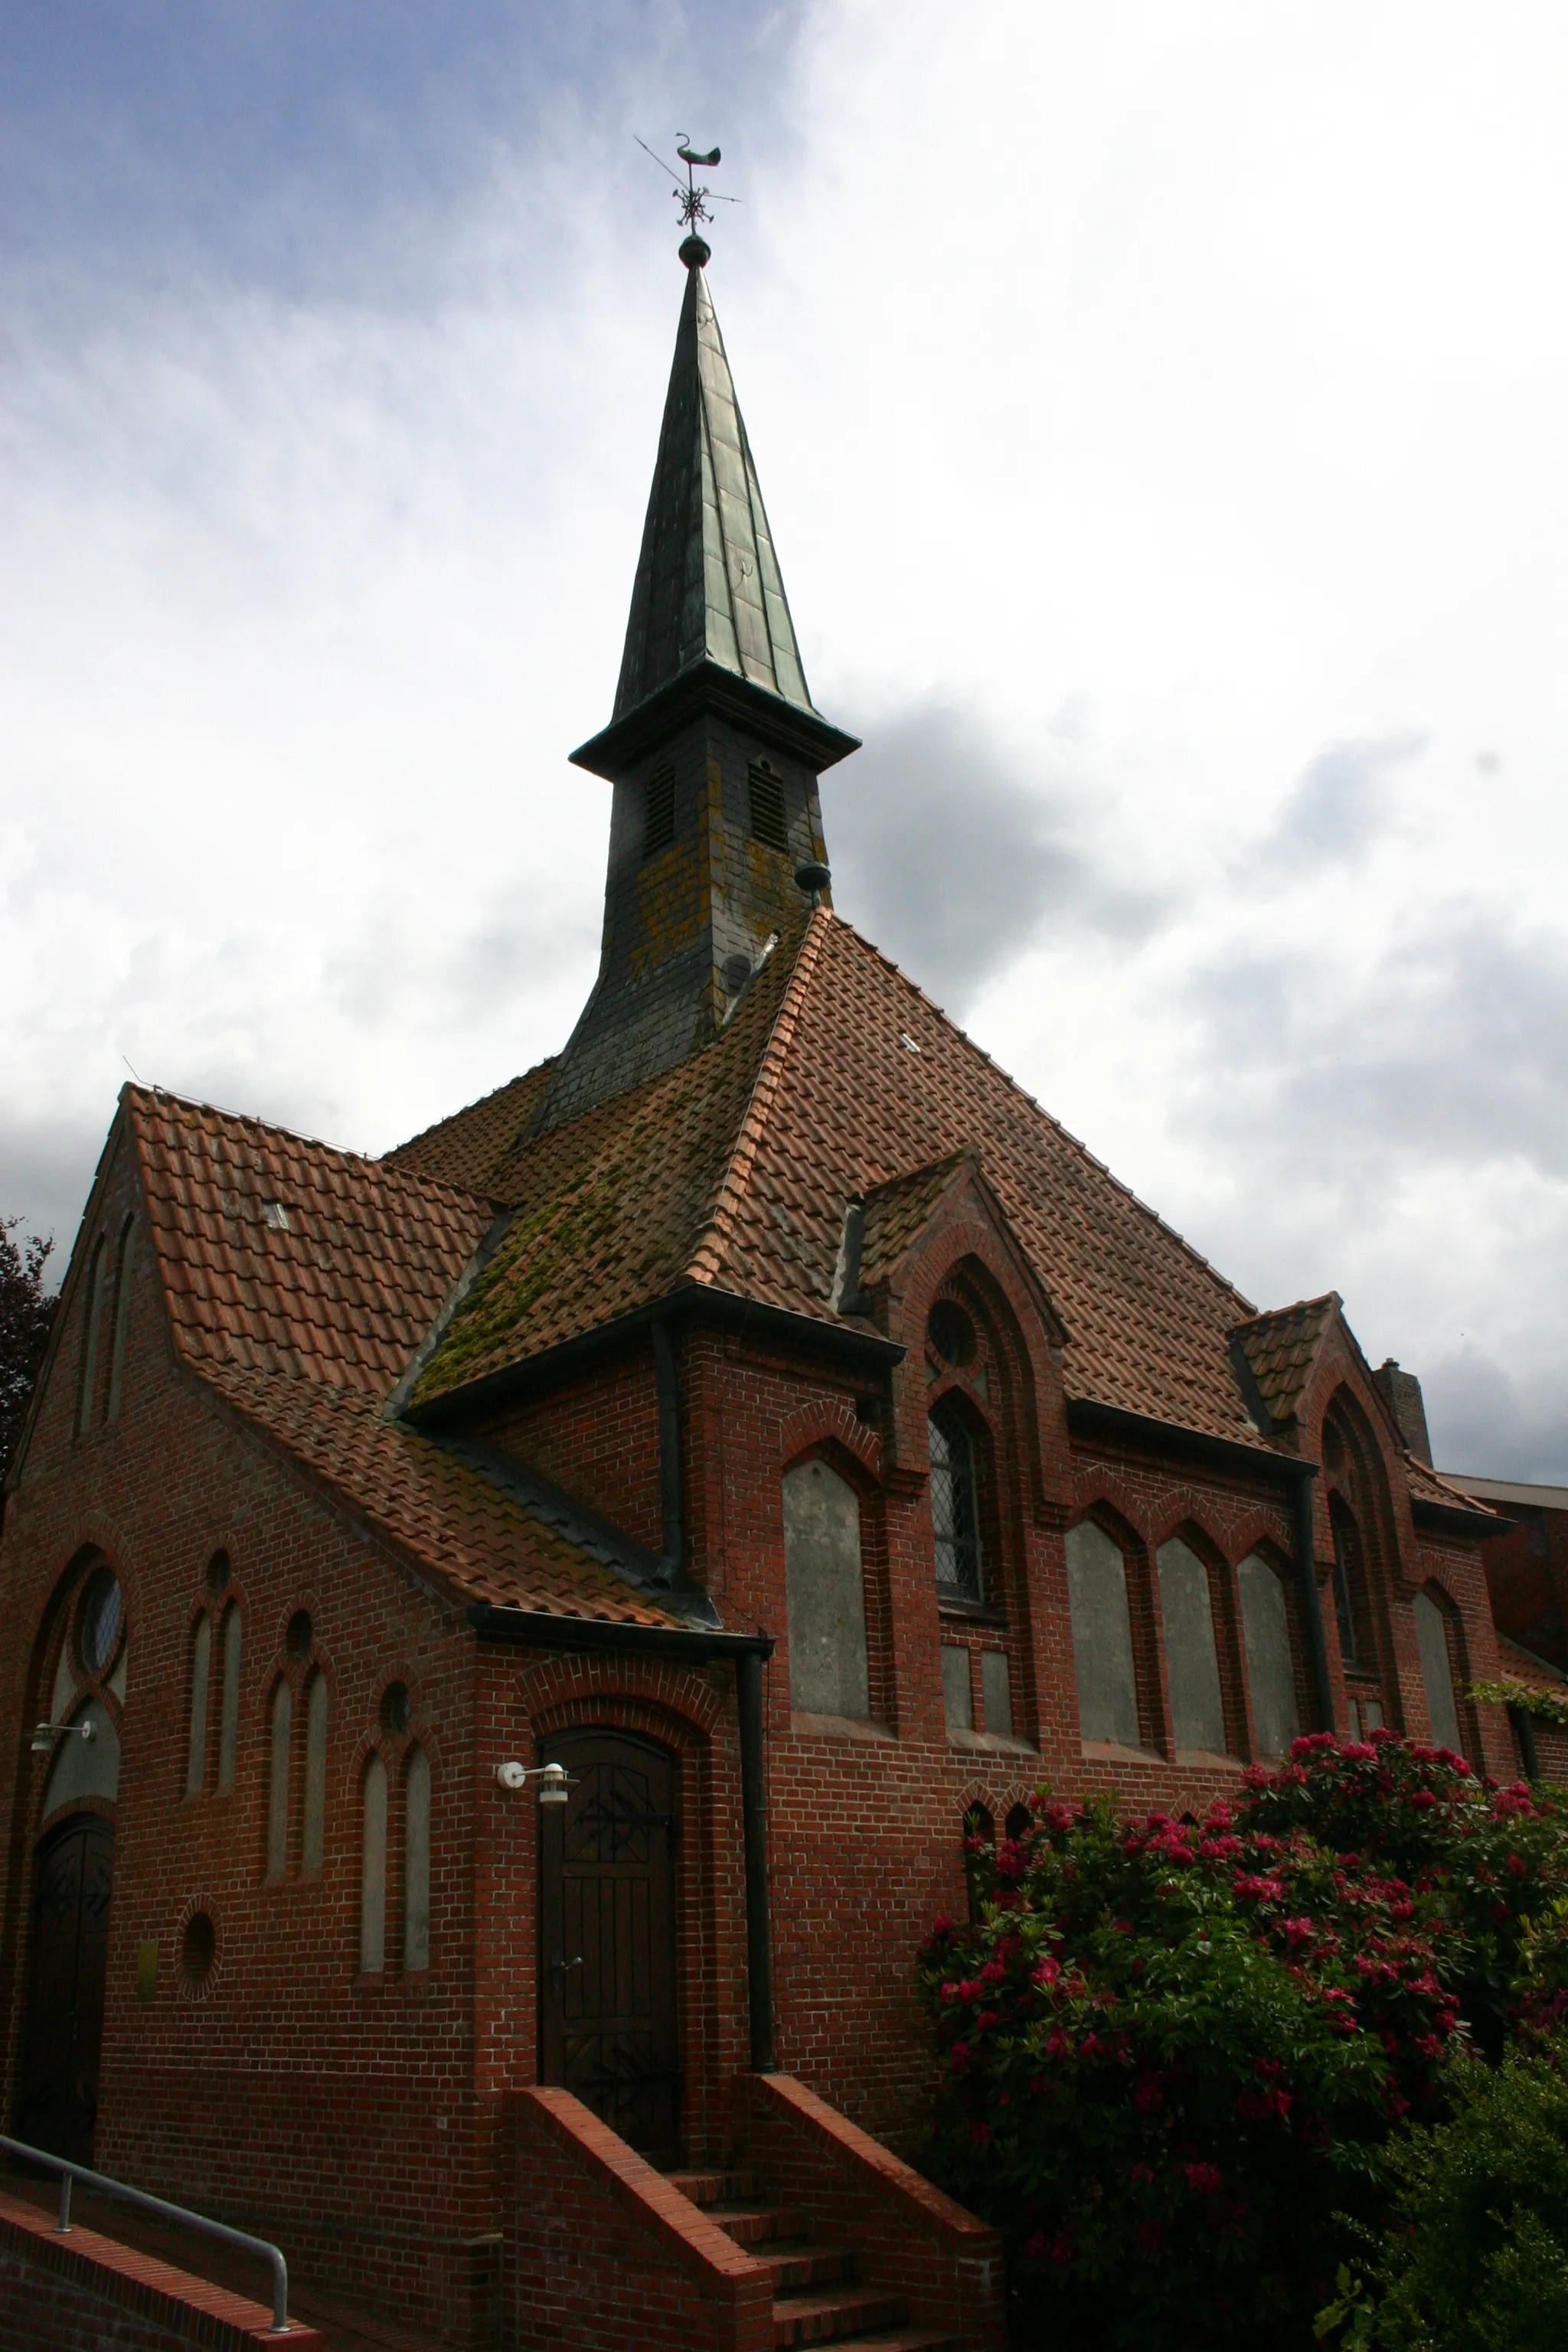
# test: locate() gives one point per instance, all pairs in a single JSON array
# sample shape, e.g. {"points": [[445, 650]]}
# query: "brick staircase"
{"points": [[817, 2297]]}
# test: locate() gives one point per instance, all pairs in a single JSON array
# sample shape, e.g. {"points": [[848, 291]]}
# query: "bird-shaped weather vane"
{"points": [[692, 198]]}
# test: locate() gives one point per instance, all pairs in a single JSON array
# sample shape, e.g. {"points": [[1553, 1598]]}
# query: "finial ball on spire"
{"points": [[695, 253]]}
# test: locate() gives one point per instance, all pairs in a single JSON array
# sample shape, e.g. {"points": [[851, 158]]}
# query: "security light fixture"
{"points": [[554, 1780]]}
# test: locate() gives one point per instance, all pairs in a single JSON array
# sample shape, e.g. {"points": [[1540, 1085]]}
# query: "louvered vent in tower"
{"points": [[768, 806], [658, 810]]}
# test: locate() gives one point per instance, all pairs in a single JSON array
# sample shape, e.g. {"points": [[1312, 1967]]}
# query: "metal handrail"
{"points": [[150, 2204]]}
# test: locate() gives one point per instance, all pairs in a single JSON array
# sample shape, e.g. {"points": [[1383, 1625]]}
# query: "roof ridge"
{"points": [[145, 1098], [1297, 1307], [1077, 1142], [704, 1263], [463, 1110]]}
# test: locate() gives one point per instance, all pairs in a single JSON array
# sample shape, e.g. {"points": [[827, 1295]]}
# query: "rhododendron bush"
{"points": [[1172, 2051]]}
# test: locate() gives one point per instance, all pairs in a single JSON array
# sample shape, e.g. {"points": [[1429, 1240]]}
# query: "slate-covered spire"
{"points": [[708, 585], [708, 602]]}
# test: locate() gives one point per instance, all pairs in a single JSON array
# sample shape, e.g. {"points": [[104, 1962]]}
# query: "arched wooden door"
{"points": [[608, 2020], [65, 1990]]}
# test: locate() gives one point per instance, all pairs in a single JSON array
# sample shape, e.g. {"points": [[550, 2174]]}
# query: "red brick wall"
{"points": [[86, 2293], [337, 2113], [602, 2254]]}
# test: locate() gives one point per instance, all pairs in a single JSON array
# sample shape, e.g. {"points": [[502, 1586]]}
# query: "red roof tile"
{"points": [[470, 1148], [732, 1169], [475, 1538], [1282, 1348], [305, 1324]]}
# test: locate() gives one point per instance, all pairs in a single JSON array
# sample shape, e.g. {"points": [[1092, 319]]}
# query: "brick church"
{"points": [[762, 1411]]}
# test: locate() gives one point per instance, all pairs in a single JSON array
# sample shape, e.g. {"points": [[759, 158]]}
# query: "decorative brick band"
{"points": [[83, 2292], [602, 2250], [916, 2240]]}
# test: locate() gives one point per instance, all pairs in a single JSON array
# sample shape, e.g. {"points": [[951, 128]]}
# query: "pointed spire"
{"points": [[708, 585], [708, 604]]}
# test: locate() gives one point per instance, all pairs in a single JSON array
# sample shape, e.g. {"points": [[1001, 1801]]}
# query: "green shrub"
{"points": [[1173, 2051], [1476, 2255]]}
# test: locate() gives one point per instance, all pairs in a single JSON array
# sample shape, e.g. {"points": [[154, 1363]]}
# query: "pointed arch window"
{"points": [[1271, 1668], [956, 1509], [228, 1725], [825, 1593], [92, 1321], [313, 1844], [278, 1780], [1350, 1589], [122, 1271], [1192, 1662], [1101, 1638], [373, 1869], [201, 1674], [416, 1860], [1437, 1672]]}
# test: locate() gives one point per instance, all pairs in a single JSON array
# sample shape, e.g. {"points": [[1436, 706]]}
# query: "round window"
{"points": [[951, 1332], [395, 1708], [197, 1947], [99, 1636], [297, 1641]]}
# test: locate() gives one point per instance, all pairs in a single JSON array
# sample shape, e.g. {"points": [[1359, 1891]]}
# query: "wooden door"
{"points": [[65, 1994], [607, 1950]]}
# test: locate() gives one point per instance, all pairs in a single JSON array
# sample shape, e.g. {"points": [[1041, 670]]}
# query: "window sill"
{"points": [[842, 1727], [1110, 1751], [989, 1743], [971, 1613]]}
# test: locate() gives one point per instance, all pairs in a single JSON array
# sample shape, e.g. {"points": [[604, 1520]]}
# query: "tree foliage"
{"points": [[26, 1316]]}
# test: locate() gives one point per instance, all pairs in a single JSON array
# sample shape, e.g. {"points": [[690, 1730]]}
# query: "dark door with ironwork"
{"points": [[65, 1994], [606, 1947]]}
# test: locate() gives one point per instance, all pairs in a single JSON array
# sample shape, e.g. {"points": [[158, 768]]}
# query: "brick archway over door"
{"points": [[609, 2016]]}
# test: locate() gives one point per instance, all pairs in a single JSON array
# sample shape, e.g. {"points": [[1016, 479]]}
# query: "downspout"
{"points": [[672, 1511], [749, 1710], [755, 1819], [1307, 1564]]}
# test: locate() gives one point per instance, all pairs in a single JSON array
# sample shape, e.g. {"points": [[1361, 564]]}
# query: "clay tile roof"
{"points": [[1429, 1485], [838, 1075], [305, 1324], [285, 1254], [896, 1213], [1522, 1666], [476, 1538], [1281, 1349], [470, 1148]]}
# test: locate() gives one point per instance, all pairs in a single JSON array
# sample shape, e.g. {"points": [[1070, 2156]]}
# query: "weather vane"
{"points": [[692, 198]]}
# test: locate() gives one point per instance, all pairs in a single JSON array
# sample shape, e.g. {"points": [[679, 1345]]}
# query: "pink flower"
{"points": [[1150, 2237], [1203, 2179]]}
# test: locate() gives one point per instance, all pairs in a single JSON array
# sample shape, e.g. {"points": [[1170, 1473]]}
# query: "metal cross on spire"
{"points": [[692, 198]]}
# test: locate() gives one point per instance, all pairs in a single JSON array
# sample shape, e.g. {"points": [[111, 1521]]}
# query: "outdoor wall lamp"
{"points": [[44, 1737], [554, 1780]]}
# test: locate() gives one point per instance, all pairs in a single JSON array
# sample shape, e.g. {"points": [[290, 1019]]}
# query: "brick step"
{"points": [[898, 2339], [756, 2225], [813, 2318], [706, 2189], [800, 2263]]}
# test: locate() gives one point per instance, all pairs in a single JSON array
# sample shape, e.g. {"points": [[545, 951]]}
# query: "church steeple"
{"points": [[714, 747], [709, 610]]}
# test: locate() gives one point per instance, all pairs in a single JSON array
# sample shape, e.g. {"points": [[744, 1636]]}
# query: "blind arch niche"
{"points": [[1101, 1638], [826, 1592]]}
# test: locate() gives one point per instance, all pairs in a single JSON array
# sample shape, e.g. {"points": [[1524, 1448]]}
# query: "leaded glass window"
{"points": [[954, 1508]]}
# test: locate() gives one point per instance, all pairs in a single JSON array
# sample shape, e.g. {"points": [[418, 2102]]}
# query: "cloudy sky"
{"points": [[1160, 408]]}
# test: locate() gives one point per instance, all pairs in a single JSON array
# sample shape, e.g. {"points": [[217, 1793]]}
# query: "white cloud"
{"points": [[1161, 424]]}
